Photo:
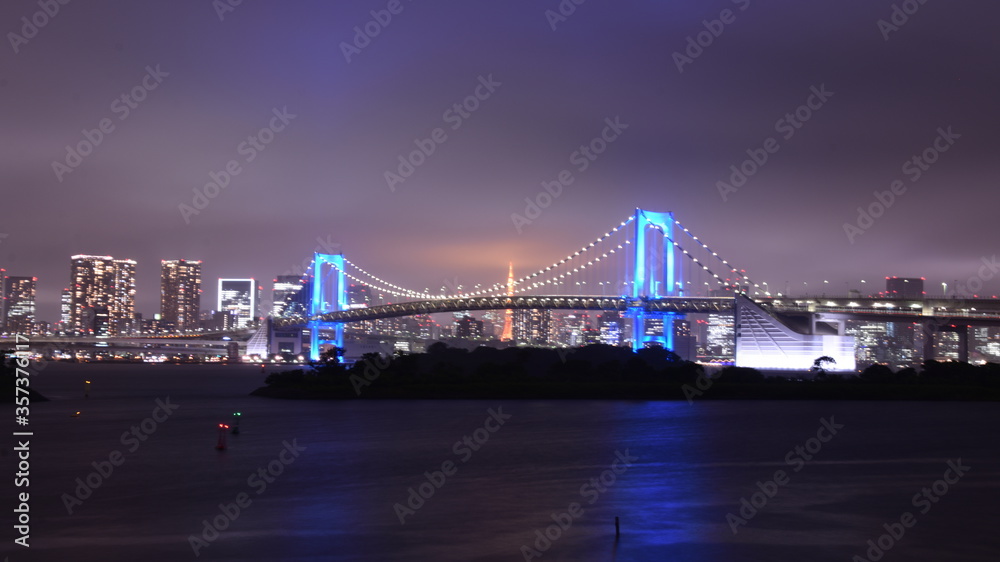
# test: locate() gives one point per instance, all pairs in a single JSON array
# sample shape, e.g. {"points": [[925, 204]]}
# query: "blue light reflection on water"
{"points": [[335, 501]]}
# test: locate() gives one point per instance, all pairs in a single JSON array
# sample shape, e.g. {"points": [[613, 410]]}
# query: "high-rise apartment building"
{"points": [[180, 293], [19, 304], [65, 305], [531, 326], [239, 297], [102, 294]]}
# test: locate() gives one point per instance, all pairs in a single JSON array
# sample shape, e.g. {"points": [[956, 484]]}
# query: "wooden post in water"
{"points": [[617, 529]]}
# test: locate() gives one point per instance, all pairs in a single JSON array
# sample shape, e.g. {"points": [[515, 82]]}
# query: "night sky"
{"points": [[219, 80]]}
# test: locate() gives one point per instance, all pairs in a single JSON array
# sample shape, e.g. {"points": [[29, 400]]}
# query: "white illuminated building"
{"points": [[239, 297], [762, 342]]}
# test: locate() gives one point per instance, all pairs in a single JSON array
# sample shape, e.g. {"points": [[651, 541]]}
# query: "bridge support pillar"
{"points": [[638, 315], [929, 330], [656, 273], [324, 300], [315, 341]]}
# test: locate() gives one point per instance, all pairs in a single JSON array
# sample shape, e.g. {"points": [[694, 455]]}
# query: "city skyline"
{"points": [[655, 114], [450, 280], [280, 284]]}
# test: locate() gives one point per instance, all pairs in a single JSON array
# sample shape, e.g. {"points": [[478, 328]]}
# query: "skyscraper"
{"points": [[3, 302], [19, 304], [609, 323], [359, 295], [65, 305], [286, 293], [180, 293], [531, 326], [239, 297], [721, 336], [101, 287]]}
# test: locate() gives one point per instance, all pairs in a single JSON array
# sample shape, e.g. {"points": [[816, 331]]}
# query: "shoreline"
{"points": [[646, 392]]}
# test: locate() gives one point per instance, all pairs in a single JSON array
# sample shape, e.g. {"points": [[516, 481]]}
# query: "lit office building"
{"points": [[531, 326], [886, 343], [65, 305], [654, 326], [610, 325], [359, 296], [102, 294], [239, 297], [685, 342], [469, 328], [19, 304], [289, 296], [180, 293], [986, 342], [721, 336]]}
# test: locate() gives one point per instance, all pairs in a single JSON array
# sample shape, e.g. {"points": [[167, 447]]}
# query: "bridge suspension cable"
{"points": [[579, 265], [521, 284], [732, 269]]}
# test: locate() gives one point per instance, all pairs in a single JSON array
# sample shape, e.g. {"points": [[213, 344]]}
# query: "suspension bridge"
{"points": [[648, 266]]}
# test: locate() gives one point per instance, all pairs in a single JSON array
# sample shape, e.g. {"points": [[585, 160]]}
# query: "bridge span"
{"points": [[677, 305]]}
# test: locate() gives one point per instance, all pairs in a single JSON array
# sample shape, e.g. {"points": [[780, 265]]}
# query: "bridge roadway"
{"points": [[888, 310], [176, 344], [971, 312], [687, 305]]}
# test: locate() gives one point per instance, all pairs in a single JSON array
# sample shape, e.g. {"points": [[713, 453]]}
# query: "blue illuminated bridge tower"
{"points": [[656, 274], [646, 267], [329, 294]]}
